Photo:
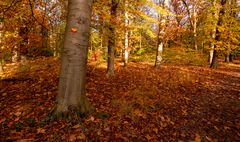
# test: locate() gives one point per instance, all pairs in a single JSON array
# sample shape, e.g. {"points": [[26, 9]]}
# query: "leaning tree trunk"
{"points": [[71, 91], [111, 38]]}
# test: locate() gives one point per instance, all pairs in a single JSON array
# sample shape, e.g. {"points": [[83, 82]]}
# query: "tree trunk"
{"points": [[44, 32], [160, 36], [22, 50], [214, 63], [195, 27], [1, 56], [1, 67], [111, 38], [126, 43], [217, 38], [71, 90], [213, 32], [159, 55], [230, 57], [227, 57]]}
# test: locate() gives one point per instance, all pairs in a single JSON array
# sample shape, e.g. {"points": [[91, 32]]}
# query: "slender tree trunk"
{"points": [[126, 43], [140, 40], [111, 38], [160, 35], [195, 27], [227, 57], [1, 60], [217, 38], [230, 57], [159, 47], [22, 51], [71, 90], [215, 16], [159, 55], [1, 66], [44, 32]]}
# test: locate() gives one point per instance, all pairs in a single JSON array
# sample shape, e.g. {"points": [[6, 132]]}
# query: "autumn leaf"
{"points": [[41, 130], [74, 30], [197, 138]]}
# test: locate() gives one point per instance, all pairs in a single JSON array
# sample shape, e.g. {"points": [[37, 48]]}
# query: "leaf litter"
{"points": [[140, 103]]}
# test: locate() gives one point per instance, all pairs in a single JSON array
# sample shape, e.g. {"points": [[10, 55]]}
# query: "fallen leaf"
{"points": [[72, 137], [197, 138], [82, 136], [41, 130], [74, 30], [148, 137], [76, 126]]}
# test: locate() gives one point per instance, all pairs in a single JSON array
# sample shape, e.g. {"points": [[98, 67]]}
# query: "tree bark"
{"points": [[71, 90], [111, 38], [126, 43], [193, 20], [1, 67], [215, 17], [22, 50], [217, 38], [195, 27], [160, 35]]}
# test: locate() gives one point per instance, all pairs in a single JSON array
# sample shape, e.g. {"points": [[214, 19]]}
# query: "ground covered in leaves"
{"points": [[140, 103]]}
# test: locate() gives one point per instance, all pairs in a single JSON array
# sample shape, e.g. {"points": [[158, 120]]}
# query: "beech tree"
{"points": [[218, 33], [160, 33], [71, 91], [111, 38], [126, 34]]}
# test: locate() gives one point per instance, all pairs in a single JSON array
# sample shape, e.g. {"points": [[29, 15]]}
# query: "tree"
{"points": [[126, 39], [160, 34], [218, 33], [214, 25], [71, 91], [191, 6], [111, 37]]}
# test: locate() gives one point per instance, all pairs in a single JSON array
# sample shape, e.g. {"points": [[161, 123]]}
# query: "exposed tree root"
{"points": [[69, 112]]}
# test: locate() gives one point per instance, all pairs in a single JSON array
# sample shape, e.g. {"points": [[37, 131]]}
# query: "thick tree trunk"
{"points": [[111, 38], [71, 91], [214, 63], [217, 38]]}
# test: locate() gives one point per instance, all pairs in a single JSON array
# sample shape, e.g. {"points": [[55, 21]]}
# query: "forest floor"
{"points": [[140, 103]]}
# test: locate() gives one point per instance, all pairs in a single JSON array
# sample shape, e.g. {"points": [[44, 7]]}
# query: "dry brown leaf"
{"points": [[41, 130], [197, 138]]}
